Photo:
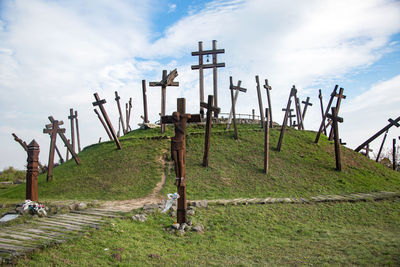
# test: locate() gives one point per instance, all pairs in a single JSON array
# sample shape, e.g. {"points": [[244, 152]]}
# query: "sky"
{"points": [[54, 55]]}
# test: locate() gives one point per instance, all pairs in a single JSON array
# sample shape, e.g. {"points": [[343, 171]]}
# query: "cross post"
{"points": [[121, 117], [322, 109], [210, 108], [285, 118], [266, 141], [260, 104], [104, 124], [325, 114], [71, 117], [394, 154], [52, 129], [268, 88], [339, 96], [32, 171], [77, 131], [306, 104], [299, 125], [381, 147], [238, 88], [100, 103], [128, 117], [335, 119], [167, 80], [145, 115], [178, 152]]}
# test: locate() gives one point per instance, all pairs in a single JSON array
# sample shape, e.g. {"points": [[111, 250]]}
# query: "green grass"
{"points": [[302, 168], [364, 233]]}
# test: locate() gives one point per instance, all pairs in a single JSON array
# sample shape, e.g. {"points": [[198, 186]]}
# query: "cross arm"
{"points": [[332, 117], [205, 105], [208, 52], [208, 66]]}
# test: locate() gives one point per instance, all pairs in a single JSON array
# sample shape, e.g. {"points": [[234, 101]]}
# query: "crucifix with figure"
{"points": [[178, 152], [167, 80]]}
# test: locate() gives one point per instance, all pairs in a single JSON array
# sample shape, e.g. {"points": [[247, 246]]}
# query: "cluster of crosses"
{"points": [[293, 117]]}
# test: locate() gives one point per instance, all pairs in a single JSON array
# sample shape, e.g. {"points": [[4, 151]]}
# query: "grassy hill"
{"points": [[302, 168]]}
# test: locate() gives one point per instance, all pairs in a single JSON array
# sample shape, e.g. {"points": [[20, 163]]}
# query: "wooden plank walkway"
{"points": [[16, 240]]}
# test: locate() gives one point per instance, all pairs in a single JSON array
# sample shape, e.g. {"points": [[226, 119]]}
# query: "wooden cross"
{"points": [[322, 109], [32, 171], [342, 143], [167, 80], [299, 125], [290, 116], [266, 141], [100, 103], [285, 118], [66, 142], [394, 154], [387, 127], [339, 96], [214, 65], [52, 129], [67, 153], [145, 115], [325, 114], [237, 88], [121, 117], [128, 115], [56, 148], [268, 88], [367, 150], [104, 124], [210, 108], [381, 147], [24, 146], [306, 104], [260, 104], [178, 152], [71, 117], [77, 131], [335, 119]]}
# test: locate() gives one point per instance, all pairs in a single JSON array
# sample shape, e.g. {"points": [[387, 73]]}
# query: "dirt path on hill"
{"points": [[128, 205]]}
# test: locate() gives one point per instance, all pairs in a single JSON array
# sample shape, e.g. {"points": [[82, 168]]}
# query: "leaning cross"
{"points": [[290, 116], [339, 96], [100, 103], [52, 129], [77, 131], [367, 150], [285, 118], [306, 104], [322, 108], [24, 146], [299, 125], [325, 114], [167, 80], [71, 117], [380, 148], [210, 108], [178, 152], [104, 124], [384, 129], [214, 65], [335, 119], [238, 88], [268, 88], [260, 104], [121, 117]]}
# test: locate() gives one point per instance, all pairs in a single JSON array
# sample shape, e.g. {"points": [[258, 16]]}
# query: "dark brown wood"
{"points": [[52, 130], [260, 103], [77, 131], [121, 117], [237, 90], [335, 119], [178, 153], [306, 104], [367, 150], [266, 142], [285, 118], [67, 152], [231, 87], [381, 147], [128, 115], [268, 88], [145, 115], [325, 114], [59, 153], [66, 142], [394, 154], [32, 171], [201, 75], [253, 114], [167, 80], [384, 129], [298, 113], [339, 96], [100, 103], [104, 124], [71, 117], [322, 108], [210, 108], [19, 141]]}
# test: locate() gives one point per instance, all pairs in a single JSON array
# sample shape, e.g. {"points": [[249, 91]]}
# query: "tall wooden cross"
{"points": [[52, 129], [104, 124], [128, 115], [77, 131], [325, 114], [244, 90], [145, 115], [322, 109], [306, 104], [58, 151], [214, 65], [178, 152], [238, 88], [335, 119], [299, 117], [384, 129], [71, 117], [268, 88], [367, 150], [260, 103], [167, 80], [121, 117], [293, 92], [381, 147], [266, 141], [210, 108], [394, 154], [100, 103], [339, 96], [290, 116]]}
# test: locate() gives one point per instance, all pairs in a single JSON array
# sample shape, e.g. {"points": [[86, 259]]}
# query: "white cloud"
{"points": [[171, 8]]}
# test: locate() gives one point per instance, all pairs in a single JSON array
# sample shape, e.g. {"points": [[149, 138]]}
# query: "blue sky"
{"points": [[55, 54]]}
